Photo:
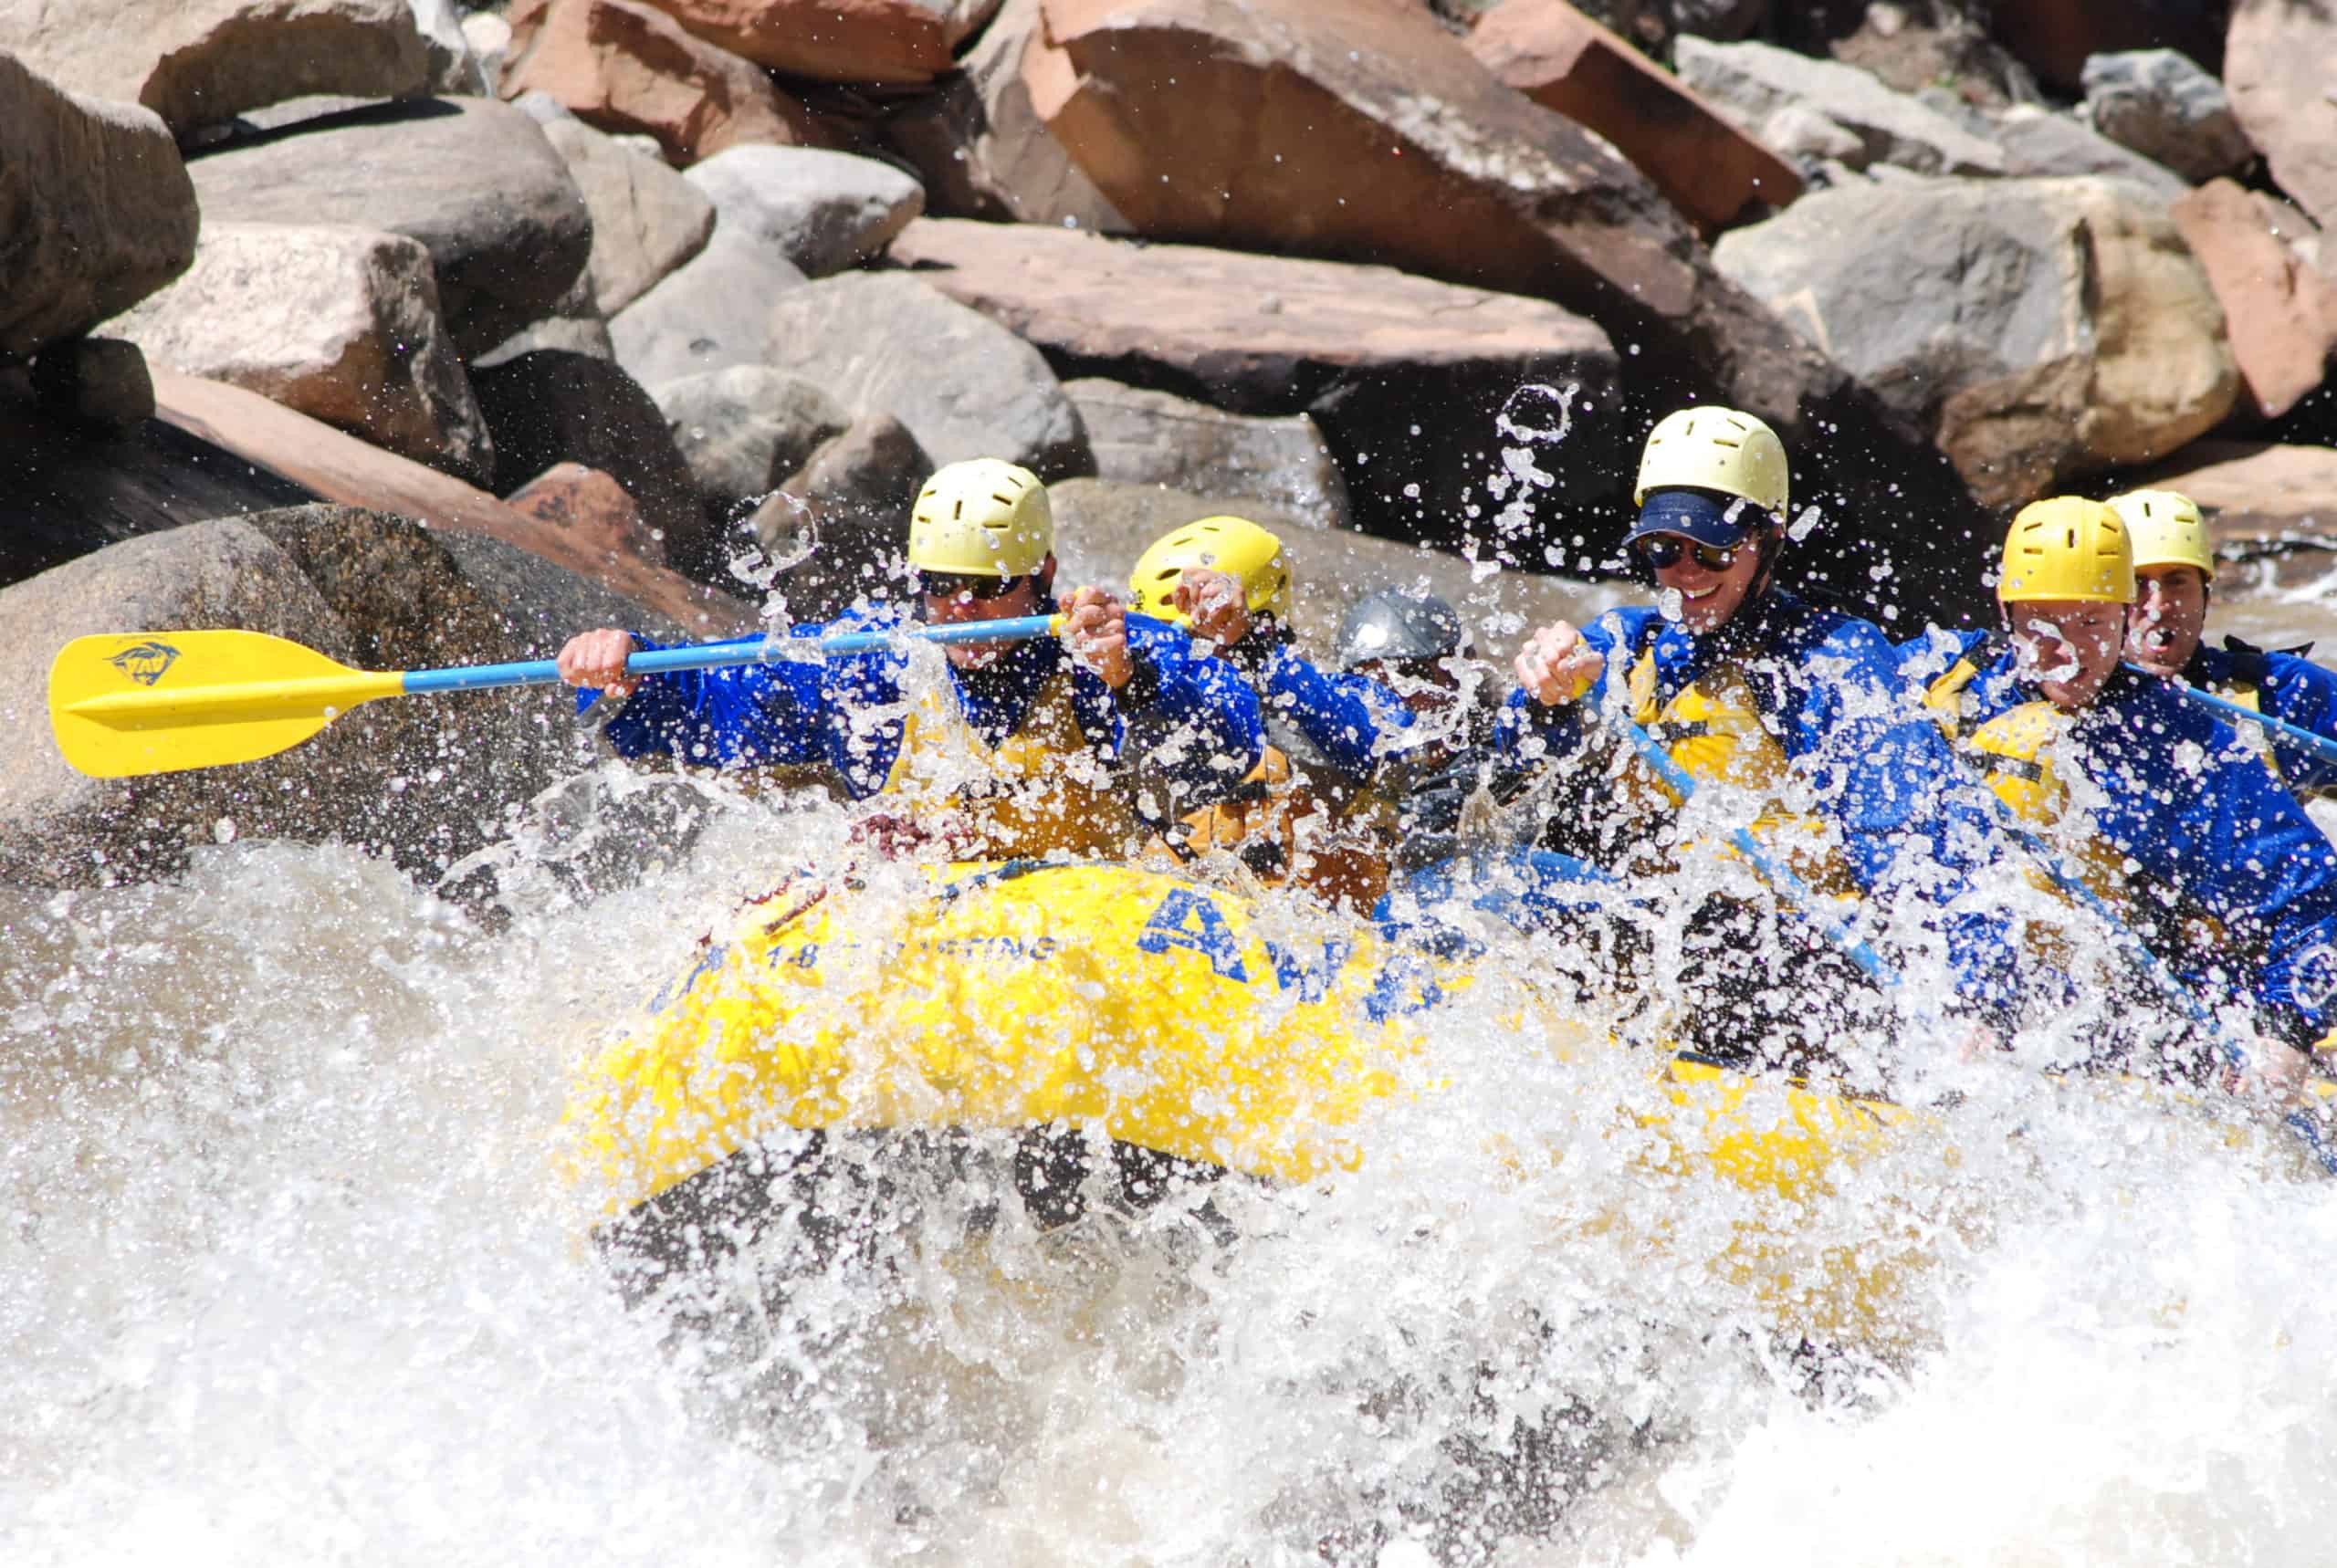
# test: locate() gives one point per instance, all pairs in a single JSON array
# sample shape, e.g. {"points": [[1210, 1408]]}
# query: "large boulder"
{"points": [[424, 781], [822, 211], [1390, 143], [549, 407], [2044, 329], [75, 486], [2166, 108], [475, 181], [981, 147], [341, 323], [744, 429], [890, 42], [2279, 67], [628, 68], [710, 314], [647, 219], [1757, 81], [100, 211], [1142, 438], [342, 468], [964, 385], [2279, 309], [1403, 375], [196, 62], [1563, 61]]}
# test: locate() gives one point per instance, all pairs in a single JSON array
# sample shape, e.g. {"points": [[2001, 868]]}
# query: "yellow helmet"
{"points": [[983, 516], [2167, 529], [2068, 547], [1716, 449], [1235, 546]]}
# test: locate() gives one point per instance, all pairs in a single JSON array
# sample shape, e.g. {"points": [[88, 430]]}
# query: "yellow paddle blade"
{"points": [[132, 703]]}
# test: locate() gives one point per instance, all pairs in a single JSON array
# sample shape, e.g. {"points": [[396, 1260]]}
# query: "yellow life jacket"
{"points": [[1042, 789], [1712, 728]]}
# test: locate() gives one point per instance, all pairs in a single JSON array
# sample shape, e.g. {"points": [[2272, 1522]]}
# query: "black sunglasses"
{"points": [[1664, 549], [965, 586]]}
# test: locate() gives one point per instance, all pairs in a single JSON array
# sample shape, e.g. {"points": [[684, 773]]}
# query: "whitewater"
{"points": [[289, 1274]]}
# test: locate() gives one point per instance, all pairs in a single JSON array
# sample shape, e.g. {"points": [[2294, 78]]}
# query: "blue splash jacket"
{"points": [[1191, 718], [1828, 690], [2200, 816], [2288, 687]]}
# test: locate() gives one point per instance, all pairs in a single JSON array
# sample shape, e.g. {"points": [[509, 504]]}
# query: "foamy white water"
{"points": [[285, 1277]]}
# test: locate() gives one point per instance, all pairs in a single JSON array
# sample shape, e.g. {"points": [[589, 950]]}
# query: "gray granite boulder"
{"points": [[199, 62], [475, 181], [1753, 81], [100, 211], [822, 211], [712, 312], [341, 323], [964, 385]]}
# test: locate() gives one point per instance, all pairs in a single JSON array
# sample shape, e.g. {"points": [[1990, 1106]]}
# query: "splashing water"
{"points": [[285, 1277]]}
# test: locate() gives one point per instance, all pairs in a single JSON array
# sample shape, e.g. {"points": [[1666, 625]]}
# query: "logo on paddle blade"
{"points": [[146, 662]]}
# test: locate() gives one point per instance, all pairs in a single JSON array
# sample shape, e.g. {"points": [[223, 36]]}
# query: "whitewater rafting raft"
{"points": [[1128, 1030], [1180, 1027]]}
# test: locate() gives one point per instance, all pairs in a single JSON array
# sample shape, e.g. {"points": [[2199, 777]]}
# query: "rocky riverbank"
{"points": [[423, 333]]}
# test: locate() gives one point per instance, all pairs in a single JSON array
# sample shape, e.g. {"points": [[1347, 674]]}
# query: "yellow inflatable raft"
{"points": [[1166, 1015]]}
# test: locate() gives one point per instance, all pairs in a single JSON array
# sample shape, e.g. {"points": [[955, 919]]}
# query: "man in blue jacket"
{"points": [[1074, 746], [2177, 829], [2174, 576], [1787, 712], [1228, 581]]}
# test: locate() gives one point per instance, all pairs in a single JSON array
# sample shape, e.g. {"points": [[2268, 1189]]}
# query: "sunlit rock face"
{"points": [[628, 68], [2277, 69], [2279, 308], [1372, 353], [892, 42], [1367, 134], [474, 181], [1704, 165], [339, 322], [2041, 328], [202, 62], [101, 212]]}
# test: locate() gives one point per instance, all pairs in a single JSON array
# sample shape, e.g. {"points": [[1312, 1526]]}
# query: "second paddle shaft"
{"points": [[743, 650]]}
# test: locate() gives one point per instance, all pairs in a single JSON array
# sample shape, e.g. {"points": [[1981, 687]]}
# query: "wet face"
{"points": [[2164, 625], [2069, 647], [1710, 584], [953, 599]]}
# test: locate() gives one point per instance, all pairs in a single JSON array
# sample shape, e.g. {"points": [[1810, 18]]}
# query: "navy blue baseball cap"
{"points": [[1707, 517]]}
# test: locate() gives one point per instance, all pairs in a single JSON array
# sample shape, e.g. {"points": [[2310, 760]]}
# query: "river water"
{"points": [[286, 1276]]}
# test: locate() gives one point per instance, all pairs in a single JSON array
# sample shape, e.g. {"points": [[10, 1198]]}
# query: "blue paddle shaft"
{"points": [[2302, 739], [736, 651]]}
